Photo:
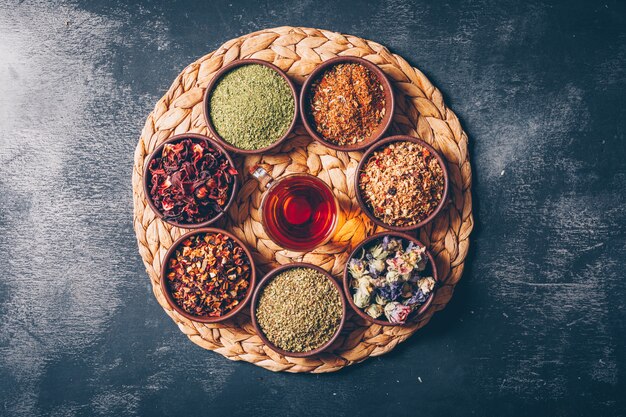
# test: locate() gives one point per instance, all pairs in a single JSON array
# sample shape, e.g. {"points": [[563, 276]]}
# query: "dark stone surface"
{"points": [[537, 325]]}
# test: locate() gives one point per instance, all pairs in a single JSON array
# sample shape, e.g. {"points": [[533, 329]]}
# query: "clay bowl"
{"points": [[379, 145], [318, 72], [370, 240], [255, 299], [209, 90], [157, 152], [166, 291]]}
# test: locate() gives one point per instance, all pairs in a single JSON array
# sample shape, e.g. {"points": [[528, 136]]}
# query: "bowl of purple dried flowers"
{"points": [[390, 279]]}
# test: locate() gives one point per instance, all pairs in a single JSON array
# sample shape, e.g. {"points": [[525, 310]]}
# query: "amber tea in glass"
{"points": [[299, 211]]}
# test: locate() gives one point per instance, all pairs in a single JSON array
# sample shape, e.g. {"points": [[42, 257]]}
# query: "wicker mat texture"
{"points": [[420, 111]]}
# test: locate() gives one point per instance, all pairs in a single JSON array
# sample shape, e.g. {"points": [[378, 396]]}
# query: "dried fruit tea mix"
{"points": [[209, 275]]}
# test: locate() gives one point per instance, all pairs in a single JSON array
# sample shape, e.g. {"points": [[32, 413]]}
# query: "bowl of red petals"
{"points": [[207, 275], [190, 181]]}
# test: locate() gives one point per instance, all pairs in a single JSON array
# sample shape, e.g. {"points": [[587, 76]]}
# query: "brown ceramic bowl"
{"points": [[166, 291], [318, 72], [255, 299], [347, 278], [146, 179], [379, 145], [209, 90]]}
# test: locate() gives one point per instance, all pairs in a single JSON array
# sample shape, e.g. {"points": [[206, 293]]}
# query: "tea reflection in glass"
{"points": [[299, 212]]}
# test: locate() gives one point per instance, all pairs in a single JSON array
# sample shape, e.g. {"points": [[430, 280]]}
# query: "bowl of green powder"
{"points": [[250, 106], [298, 310]]}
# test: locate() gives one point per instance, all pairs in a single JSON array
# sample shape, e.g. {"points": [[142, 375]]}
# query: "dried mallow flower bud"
{"points": [[357, 268], [374, 310], [379, 299], [365, 285], [362, 298], [378, 252], [393, 276], [426, 284], [376, 266], [396, 312]]}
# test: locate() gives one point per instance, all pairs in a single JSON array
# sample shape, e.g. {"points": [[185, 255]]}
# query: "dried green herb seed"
{"points": [[251, 107], [299, 310]]}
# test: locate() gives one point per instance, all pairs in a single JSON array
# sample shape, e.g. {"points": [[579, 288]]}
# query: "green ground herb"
{"points": [[251, 107], [299, 310]]}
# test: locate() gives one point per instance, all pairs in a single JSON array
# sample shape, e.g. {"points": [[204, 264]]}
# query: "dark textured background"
{"points": [[538, 323]]}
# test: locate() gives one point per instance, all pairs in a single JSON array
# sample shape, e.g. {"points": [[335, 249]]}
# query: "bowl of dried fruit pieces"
{"points": [[208, 275], [190, 181], [390, 278], [401, 183]]}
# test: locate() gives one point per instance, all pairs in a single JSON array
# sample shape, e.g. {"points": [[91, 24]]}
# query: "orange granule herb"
{"points": [[347, 104], [402, 183]]}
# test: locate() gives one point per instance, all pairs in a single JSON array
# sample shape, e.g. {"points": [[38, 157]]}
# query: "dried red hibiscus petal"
{"points": [[191, 181]]}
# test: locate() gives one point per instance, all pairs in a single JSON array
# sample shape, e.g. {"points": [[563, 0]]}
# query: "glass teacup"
{"points": [[298, 211]]}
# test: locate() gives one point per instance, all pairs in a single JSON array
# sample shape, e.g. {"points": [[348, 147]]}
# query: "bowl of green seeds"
{"points": [[298, 310], [250, 106]]}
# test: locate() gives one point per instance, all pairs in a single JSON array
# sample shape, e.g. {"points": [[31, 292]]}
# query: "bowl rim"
{"points": [[257, 293], [146, 179], [266, 194], [211, 86], [166, 291], [380, 144], [346, 279], [389, 107]]}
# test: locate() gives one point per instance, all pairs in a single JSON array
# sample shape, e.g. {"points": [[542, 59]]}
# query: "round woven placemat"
{"points": [[420, 111]]}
